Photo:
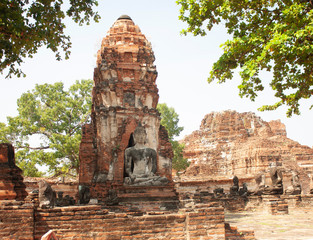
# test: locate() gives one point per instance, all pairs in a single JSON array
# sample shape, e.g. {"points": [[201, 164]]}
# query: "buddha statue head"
{"points": [[140, 135]]}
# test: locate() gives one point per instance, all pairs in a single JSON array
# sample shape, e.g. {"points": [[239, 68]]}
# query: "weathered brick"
{"points": [[11, 180]]}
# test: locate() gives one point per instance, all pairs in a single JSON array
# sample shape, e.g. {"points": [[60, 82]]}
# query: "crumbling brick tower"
{"points": [[11, 180], [124, 95]]}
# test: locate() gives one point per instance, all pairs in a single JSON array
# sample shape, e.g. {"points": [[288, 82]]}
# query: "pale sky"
{"points": [[183, 65]]}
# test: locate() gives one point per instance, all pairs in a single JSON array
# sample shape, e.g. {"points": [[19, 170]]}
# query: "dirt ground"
{"points": [[296, 225]]}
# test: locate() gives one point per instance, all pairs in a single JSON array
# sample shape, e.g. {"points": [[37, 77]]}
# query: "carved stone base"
{"points": [[144, 199], [149, 181]]}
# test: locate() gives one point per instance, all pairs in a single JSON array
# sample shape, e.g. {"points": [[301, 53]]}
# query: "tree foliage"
{"points": [[170, 119], [47, 130], [269, 35], [179, 163], [27, 25]]}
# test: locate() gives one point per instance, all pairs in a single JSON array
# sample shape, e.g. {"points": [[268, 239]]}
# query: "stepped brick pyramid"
{"points": [[229, 143]]}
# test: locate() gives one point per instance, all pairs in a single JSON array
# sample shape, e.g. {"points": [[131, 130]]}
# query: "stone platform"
{"points": [[143, 199], [275, 204], [201, 221], [93, 222]]}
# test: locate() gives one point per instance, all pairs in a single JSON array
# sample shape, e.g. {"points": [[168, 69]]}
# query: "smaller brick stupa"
{"points": [[125, 154], [11, 180]]}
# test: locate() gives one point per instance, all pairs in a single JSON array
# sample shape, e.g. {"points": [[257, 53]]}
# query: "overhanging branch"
{"points": [[35, 148]]}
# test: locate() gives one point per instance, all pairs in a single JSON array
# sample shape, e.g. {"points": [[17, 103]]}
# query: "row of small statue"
{"points": [[261, 189], [49, 199], [277, 183], [234, 190]]}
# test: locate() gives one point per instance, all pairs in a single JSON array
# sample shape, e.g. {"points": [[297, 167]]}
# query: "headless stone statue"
{"points": [[260, 184], [47, 197], [141, 162], [295, 187], [277, 182]]}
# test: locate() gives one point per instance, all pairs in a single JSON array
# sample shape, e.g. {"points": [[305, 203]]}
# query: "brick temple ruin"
{"points": [[125, 188], [125, 164], [124, 96], [231, 144], [11, 181], [23, 218]]}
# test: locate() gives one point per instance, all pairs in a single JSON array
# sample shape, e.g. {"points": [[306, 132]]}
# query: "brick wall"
{"points": [[232, 233], [21, 220], [165, 150], [87, 155], [275, 204], [207, 222], [92, 222], [11, 180], [16, 220]]}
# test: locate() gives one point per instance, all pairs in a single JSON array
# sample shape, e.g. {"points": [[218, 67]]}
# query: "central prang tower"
{"points": [[124, 97]]}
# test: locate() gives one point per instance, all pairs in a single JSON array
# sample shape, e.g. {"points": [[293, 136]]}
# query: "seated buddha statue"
{"points": [[141, 162], [235, 188]]}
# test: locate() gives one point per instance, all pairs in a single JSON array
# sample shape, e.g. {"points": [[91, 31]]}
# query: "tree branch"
{"points": [[35, 148]]}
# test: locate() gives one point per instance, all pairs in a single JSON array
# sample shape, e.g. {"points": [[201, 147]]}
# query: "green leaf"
{"points": [[24, 29], [272, 35], [54, 116], [170, 119]]}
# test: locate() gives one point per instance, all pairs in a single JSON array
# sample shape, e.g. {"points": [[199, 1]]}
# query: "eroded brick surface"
{"points": [[242, 144], [11, 180], [124, 94], [24, 221], [92, 222], [16, 220]]}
